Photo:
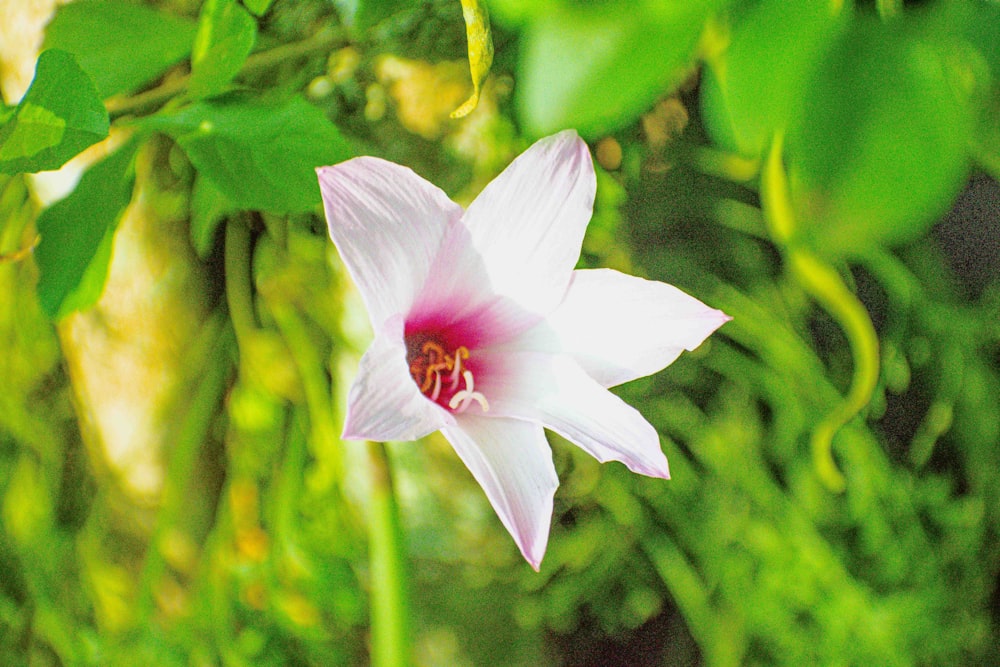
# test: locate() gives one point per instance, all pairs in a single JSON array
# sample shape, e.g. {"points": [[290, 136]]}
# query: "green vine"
{"points": [[822, 282]]}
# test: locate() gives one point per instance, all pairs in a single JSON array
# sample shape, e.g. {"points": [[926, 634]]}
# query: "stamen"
{"points": [[460, 353], [460, 401], [437, 386], [436, 360], [439, 373]]}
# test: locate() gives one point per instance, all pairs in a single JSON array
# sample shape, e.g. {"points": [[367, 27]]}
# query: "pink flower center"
{"points": [[442, 374]]}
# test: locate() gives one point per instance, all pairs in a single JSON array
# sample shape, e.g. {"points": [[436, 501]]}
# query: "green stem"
{"points": [[728, 166], [324, 40], [212, 361], [716, 630], [315, 384], [821, 282], [390, 637], [239, 292], [826, 286], [15, 200]]}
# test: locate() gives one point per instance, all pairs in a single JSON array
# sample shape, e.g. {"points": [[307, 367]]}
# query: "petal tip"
{"points": [[350, 431], [325, 171], [658, 468], [534, 553], [710, 321]]}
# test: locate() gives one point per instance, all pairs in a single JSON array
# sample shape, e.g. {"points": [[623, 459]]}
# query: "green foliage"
{"points": [[258, 7], [208, 209], [58, 117], [594, 67], [121, 45], [361, 15], [77, 234], [881, 149], [261, 154], [753, 88], [974, 60], [226, 35], [259, 546]]}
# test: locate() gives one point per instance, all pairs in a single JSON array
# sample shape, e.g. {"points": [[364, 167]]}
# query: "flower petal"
{"points": [[458, 295], [619, 327], [387, 224], [512, 461], [384, 403], [555, 392], [527, 225]]}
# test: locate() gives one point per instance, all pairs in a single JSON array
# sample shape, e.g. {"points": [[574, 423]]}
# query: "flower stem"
{"points": [[390, 632]]}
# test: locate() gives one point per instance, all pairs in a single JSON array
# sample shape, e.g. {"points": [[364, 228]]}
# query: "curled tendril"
{"points": [[822, 282]]}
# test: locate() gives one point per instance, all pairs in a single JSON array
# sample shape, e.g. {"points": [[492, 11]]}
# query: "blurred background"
{"points": [[173, 490]]}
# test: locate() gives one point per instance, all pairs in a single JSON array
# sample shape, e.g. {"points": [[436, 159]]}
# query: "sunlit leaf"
{"points": [[881, 148], [121, 45], [91, 283], [226, 35], [754, 86], [75, 235], [259, 154], [595, 69], [58, 117]]}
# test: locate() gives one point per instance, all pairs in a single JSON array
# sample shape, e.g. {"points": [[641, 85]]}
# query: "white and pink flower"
{"points": [[484, 330]]}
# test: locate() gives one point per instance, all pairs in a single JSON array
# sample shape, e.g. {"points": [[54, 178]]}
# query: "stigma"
{"points": [[444, 376]]}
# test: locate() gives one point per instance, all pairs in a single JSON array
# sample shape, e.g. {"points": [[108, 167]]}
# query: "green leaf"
{"points": [[979, 64], [88, 290], [258, 7], [755, 86], [516, 12], [58, 117], [260, 154], [75, 245], [226, 35], [988, 136], [881, 149], [359, 15], [208, 208], [596, 69], [121, 45]]}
